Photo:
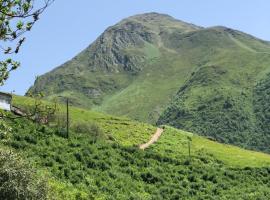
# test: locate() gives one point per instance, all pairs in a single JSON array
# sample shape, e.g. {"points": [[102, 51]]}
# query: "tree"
{"points": [[16, 18]]}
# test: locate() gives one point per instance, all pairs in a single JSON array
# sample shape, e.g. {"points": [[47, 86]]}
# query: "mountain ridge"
{"points": [[137, 67]]}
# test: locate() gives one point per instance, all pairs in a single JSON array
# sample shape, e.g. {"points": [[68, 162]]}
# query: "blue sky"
{"points": [[67, 27]]}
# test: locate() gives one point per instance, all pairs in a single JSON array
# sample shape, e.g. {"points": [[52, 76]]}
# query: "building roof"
{"points": [[5, 94]]}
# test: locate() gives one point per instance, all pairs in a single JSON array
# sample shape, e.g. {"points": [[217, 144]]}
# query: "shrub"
{"points": [[17, 180], [5, 130], [92, 129], [62, 132], [149, 178]]}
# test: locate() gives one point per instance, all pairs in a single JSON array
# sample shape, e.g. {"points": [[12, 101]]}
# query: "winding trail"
{"points": [[153, 139]]}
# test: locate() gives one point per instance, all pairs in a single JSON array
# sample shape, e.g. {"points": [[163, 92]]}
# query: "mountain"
{"points": [[117, 66], [154, 68]]}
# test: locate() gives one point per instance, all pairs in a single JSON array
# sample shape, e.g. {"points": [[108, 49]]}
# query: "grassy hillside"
{"points": [[157, 69], [220, 98], [109, 66], [103, 161], [123, 130], [223, 101], [174, 143], [127, 132]]}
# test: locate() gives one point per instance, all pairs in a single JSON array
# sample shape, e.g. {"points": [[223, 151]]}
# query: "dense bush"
{"points": [[108, 170], [91, 129], [17, 179], [238, 116]]}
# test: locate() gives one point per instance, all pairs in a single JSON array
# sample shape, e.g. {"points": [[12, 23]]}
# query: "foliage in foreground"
{"points": [[16, 18], [18, 180]]}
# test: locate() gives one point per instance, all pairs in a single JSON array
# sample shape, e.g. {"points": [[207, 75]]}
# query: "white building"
{"points": [[5, 101]]}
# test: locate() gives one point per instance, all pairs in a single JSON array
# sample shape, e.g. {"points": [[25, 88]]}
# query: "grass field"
{"points": [[125, 131], [174, 143]]}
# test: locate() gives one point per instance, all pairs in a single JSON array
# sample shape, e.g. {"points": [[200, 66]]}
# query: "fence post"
{"points": [[189, 147], [67, 118]]}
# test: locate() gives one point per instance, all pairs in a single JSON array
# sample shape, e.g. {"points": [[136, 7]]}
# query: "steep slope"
{"points": [[131, 133], [174, 143], [225, 98], [154, 68], [112, 62], [114, 167]]}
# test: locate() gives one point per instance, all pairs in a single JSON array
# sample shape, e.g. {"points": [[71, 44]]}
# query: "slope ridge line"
{"points": [[244, 46]]}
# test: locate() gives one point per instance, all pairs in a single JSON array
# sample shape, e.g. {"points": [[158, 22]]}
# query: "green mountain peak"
{"points": [[154, 68]]}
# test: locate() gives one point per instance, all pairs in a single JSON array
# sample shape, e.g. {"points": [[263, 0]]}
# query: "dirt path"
{"points": [[153, 139]]}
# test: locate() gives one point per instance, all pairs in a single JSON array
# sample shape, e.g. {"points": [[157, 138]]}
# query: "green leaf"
{"points": [[19, 25]]}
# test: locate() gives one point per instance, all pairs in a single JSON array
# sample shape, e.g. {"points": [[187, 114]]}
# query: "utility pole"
{"points": [[67, 119], [189, 147]]}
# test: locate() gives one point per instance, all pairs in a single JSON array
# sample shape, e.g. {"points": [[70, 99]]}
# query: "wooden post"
{"points": [[67, 119], [189, 149]]}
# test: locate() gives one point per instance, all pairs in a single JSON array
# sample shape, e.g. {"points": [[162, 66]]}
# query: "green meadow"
{"points": [[101, 160]]}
